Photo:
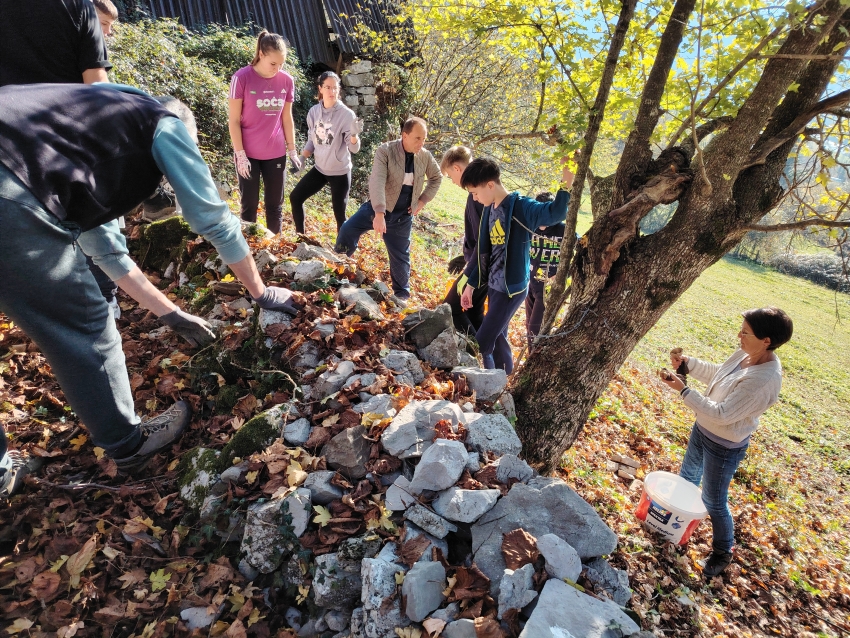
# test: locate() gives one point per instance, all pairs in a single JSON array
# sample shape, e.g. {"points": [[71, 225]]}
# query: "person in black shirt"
{"points": [[67, 46], [545, 256]]}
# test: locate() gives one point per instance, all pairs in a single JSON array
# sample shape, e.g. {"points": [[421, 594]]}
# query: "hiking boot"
{"points": [[13, 469], [717, 563], [157, 434]]}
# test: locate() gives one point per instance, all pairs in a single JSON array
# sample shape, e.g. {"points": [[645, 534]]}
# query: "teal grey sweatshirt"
{"points": [[329, 138]]}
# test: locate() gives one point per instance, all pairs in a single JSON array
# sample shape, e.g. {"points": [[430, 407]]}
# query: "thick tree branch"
{"points": [[801, 225], [558, 293], [766, 147], [511, 136], [637, 153]]}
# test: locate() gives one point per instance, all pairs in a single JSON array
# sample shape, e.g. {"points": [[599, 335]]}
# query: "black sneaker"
{"points": [[13, 469], [717, 563], [157, 434]]}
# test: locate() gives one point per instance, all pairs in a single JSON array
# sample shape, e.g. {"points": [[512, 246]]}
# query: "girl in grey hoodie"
{"points": [[333, 135]]}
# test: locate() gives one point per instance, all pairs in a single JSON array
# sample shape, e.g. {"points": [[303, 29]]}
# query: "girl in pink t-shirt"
{"points": [[261, 128]]}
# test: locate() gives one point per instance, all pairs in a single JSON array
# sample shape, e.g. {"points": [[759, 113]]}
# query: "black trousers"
{"points": [[467, 321], [272, 172], [312, 183]]}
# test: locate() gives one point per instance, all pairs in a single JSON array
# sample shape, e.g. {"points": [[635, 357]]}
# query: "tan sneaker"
{"points": [[157, 434]]}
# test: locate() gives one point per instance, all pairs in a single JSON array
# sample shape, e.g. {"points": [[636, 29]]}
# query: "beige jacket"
{"points": [[733, 401], [387, 176]]}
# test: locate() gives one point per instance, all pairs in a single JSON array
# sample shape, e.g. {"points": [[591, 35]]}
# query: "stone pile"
{"points": [[399, 511]]}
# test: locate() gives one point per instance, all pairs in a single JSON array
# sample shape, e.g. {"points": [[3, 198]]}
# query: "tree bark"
{"points": [[613, 308]]}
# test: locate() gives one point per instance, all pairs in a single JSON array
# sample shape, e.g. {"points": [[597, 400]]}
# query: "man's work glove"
{"points": [[243, 165], [193, 329], [461, 284], [296, 160], [275, 298], [457, 265]]}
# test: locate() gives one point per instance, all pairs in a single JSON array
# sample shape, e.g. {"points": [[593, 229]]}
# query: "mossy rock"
{"points": [[161, 243], [198, 471], [226, 398], [203, 302], [255, 435]]}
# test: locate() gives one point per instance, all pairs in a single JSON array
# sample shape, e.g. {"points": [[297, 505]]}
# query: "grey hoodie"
{"points": [[329, 135]]}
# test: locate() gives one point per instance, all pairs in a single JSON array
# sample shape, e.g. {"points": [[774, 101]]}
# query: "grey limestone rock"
{"points": [[365, 380], [462, 628], [331, 381], [381, 607], [306, 251], [423, 589], [412, 430], [488, 384], [322, 491], [492, 433], [335, 587], [264, 545], [377, 404], [448, 613], [610, 580], [423, 326], [364, 305], [472, 462], [399, 495], [352, 551], [429, 521], [574, 613], [272, 317], [307, 357], [287, 268], [517, 589], [511, 466], [297, 432], [442, 351], [309, 271], [337, 620], [562, 561], [541, 507], [465, 506], [440, 466], [405, 366], [348, 452]]}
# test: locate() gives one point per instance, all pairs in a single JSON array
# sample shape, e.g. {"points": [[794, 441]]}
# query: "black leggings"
{"points": [[273, 173], [312, 183]]}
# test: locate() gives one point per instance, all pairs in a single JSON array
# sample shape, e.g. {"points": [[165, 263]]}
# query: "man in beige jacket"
{"points": [[397, 192]]}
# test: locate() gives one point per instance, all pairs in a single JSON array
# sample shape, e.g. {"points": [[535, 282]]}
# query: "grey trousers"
{"points": [[47, 289]]}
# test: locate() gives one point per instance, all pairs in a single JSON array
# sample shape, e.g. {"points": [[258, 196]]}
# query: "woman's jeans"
{"points": [[715, 465]]}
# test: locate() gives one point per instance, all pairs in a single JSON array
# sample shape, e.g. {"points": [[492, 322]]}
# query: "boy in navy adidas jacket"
{"points": [[502, 260]]}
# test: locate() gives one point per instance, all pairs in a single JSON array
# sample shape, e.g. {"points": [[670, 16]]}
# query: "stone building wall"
{"points": [[358, 82]]}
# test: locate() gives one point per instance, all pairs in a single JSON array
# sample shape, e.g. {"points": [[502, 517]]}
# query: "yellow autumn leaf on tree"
{"points": [[323, 515]]}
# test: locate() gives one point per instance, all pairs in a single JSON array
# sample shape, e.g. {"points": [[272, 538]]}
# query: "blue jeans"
{"points": [[47, 289], [715, 466], [396, 239], [492, 336]]}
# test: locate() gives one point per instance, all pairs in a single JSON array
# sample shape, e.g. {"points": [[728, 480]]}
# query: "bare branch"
{"points": [[759, 154], [806, 223], [511, 136]]}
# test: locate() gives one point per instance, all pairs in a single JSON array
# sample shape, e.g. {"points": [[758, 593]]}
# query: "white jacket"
{"points": [[733, 403]]}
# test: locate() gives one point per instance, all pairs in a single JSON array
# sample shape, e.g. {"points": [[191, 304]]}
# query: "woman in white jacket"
{"points": [[738, 392]]}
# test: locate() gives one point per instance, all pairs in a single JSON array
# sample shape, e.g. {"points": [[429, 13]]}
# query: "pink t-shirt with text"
{"points": [[262, 104]]}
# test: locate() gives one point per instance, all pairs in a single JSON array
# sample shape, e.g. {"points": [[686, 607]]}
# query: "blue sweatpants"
{"points": [[46, 288], [492, 336], [396, 239]]}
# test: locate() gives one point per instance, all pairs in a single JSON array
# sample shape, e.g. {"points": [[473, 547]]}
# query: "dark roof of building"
{"points": [[318, 29]]}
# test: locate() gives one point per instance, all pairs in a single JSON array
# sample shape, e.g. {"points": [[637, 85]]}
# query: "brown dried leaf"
{"points": [[44, 585], [411, 550], [318, 437], [519, 548], [245, 406], [78, 561], [217, 573], [236, 630], [434, 626], [471, 584], [488, 628]]}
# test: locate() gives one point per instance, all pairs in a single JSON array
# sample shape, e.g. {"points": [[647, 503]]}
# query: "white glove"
{"points": [[357, 127], [243, 165], [295, 159]]}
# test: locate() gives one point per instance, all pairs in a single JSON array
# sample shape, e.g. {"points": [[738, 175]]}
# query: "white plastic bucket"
{"points": [[670, 506]]}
